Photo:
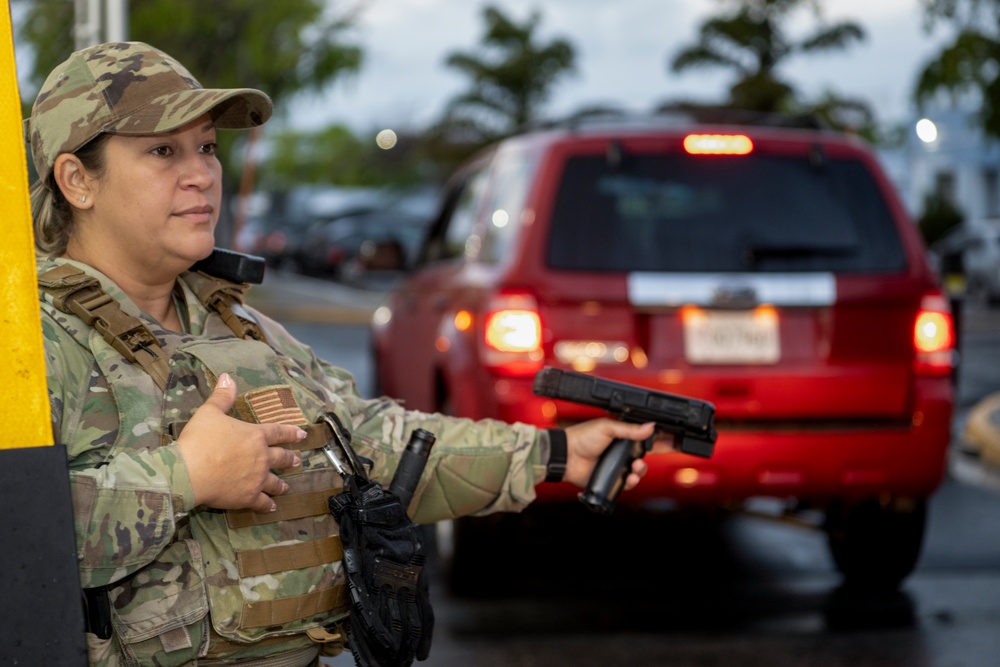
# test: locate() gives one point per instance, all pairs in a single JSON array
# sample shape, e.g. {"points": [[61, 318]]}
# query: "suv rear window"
{"points": [[754, 213]]}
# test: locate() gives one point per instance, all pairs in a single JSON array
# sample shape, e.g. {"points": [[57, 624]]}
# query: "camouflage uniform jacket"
{"points": [[135, 517]]}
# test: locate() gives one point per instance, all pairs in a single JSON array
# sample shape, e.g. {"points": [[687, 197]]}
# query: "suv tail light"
{"points": [[512, 335], [934, 336]]}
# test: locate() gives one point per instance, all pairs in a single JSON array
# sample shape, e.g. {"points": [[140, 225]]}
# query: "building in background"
{"points": [[947, 153]]}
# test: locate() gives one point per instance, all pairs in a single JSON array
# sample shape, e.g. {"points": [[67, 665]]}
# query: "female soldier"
{"points": [[199, 550]]}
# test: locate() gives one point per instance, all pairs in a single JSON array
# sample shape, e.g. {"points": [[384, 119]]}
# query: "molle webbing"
{"points": [[284, 610], [225, 298], [277, 404], [317, 435], [73, 291], [289, 557], [290, 506]]}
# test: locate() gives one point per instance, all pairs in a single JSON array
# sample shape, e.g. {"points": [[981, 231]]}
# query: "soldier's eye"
{"points": [[162, 151], [209, 148]]}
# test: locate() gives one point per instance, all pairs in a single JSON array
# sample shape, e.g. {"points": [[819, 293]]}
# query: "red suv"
{"points": [[769, 270]]}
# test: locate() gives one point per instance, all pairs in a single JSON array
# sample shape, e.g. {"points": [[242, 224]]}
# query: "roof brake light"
{"points": [[718, 144]]}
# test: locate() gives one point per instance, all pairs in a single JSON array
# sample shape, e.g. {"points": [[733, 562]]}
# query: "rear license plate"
{"points": [[720, 337]]}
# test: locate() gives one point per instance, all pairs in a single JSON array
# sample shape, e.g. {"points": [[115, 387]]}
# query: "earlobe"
{"points": [[71, 178]]}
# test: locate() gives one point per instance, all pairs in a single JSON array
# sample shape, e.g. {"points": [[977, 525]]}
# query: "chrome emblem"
{"points": [[734, 296]]}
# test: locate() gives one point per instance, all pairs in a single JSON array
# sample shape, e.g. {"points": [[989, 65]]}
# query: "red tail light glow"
{"points": [[718, 144], [513, 330], [934, 336], [512, 335]]}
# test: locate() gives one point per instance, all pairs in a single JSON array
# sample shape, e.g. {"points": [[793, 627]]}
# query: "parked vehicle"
{"points": [[770, 270], [350, 247], [280, 222]]}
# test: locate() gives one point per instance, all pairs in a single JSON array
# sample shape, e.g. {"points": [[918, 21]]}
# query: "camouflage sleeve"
{"points": [[125, 509], [475, 467]]}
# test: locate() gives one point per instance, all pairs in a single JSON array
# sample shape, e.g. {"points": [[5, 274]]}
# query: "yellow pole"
{"points": [[38, 557], [24, 405]]}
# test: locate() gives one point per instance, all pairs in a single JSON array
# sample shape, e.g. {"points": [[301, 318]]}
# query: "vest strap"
{"points": [[73, 291], [225, 298], [290, 506], [283, 610], [317, 435], [252, 563]]}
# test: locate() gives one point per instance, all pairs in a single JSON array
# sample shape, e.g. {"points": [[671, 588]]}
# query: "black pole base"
{"points": [[42, 618]]}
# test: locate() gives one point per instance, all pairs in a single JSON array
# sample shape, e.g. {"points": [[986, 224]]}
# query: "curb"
{"points": [[321, 314], [291, 297]]}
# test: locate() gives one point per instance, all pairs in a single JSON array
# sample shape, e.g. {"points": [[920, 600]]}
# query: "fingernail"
{"points": [[296, 461], [225, 381], [300, 435], [284, 487], [274, 507]]}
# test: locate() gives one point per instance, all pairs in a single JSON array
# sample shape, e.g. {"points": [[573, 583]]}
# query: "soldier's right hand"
{"points": [[230, 461]]}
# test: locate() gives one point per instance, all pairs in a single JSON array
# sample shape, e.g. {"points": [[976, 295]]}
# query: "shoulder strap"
{"points": [[225, 298], [77, 293]]}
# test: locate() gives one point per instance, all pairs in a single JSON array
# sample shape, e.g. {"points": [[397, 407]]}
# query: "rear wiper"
{"points": [[755, 253]]}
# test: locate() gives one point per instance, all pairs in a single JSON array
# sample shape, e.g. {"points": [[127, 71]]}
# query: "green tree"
{"points": [[336, 155], [511, 75], [938, 217], [969, 64], [751, 40], [282, 48]]}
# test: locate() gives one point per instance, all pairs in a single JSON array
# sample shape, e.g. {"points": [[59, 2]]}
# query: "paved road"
{"points": [[692, 593]]}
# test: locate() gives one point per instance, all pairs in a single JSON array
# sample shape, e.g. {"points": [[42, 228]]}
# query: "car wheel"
{"points": [[876, 544]]}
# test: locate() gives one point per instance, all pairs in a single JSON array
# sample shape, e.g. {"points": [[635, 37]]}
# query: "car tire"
{"points": [[876, 544]]}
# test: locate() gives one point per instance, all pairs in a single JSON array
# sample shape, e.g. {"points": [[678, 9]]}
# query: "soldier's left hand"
{"points": [[586, 441]]}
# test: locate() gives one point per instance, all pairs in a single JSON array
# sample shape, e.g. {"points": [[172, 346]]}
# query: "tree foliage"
{"points": [[336, 155], [938, 217], [282, 48], [970, 63], [751, 40], [512, 75]]}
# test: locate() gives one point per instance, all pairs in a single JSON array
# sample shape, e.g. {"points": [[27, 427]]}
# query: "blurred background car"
{"points": [[769, 269], [353, 247], [374, 243], [278, 222]]}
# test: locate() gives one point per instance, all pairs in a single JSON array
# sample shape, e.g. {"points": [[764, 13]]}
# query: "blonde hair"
{"points": [[52, 218], [52, 215]]}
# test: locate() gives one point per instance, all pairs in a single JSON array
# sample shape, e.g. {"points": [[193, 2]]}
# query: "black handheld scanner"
{"points": [[691, 422], [235, 266], [411, 465]]}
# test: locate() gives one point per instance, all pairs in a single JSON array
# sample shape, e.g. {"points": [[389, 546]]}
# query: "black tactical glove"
{"points": [[391, 618]]}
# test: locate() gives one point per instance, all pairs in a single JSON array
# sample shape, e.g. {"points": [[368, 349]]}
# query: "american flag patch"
{"points": [[274, 405]]}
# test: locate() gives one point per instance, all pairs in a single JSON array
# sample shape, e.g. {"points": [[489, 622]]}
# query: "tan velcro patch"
{"points": [[270, 405]]}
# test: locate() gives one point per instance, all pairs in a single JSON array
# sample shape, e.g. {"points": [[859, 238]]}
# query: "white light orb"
{"points": [[926, 130], [385, 139]]}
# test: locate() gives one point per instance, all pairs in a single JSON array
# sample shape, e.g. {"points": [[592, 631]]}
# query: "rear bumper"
{"points": [[811, 463]]}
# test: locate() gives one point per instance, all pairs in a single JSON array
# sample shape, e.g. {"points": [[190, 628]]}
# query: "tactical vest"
{"points": [[265, 575]]}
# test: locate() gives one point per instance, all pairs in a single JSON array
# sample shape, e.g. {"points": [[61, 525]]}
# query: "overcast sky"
{"points": [[622, 52]]}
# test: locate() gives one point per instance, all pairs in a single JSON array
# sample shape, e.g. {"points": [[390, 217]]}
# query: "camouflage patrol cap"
{"points": [[127, 88]]}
